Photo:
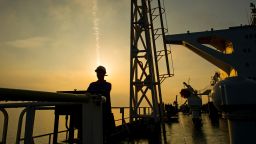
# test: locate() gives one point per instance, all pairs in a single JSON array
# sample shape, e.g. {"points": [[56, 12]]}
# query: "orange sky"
{"points": [[56, 45]]}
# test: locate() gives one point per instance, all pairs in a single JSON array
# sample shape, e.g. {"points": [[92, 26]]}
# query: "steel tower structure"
{"points": [[148, 52]]}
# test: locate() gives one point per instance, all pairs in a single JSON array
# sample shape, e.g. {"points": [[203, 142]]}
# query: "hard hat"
{"points": [[185, 93], [101, 69]]}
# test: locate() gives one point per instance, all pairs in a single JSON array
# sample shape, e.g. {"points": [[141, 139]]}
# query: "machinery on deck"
{"points": [[194, 103], [233, 51]]}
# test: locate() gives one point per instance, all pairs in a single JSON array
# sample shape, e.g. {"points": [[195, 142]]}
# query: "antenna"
{"points": [[253, 14]]}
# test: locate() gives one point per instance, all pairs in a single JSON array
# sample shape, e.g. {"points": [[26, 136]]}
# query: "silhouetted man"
{"points": [[103, 88]]}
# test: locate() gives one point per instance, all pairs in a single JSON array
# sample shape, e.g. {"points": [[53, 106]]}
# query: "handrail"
{"points": [[21, 118], [30, 95], [122, 113], [48, 134], [115, 107], [25, 104], [122, 118], [90, 106], [44, 106], [28, 105]]}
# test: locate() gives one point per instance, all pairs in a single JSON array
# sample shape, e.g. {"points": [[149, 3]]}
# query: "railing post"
{"points": [[50, 138], [29, 127], [71, 128], [5, 126], [122, 112], [20, 125], [56, 128], [92, 126]]}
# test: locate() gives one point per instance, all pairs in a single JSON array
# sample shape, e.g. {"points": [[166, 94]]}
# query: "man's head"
{"points": [[101, 72], [185, 93]]}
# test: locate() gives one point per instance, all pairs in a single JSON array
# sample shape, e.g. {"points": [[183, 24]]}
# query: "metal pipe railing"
{"points": [[21, 119], [30, 95], [47, 106], [44, 135], [146, 111], [33, 106]]}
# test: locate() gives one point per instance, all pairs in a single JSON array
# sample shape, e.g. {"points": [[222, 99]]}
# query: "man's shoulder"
{"points": [[100, 83], [108, 83], [93, 83]]}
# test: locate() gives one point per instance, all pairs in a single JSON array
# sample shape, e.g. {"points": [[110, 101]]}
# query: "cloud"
{"points": [[32, 42]]}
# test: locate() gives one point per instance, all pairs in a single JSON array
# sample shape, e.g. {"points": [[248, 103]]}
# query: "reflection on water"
{"points": [[184, 132]]}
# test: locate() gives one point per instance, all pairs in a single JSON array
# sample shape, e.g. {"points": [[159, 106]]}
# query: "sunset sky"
{"points": [[54, 45]]}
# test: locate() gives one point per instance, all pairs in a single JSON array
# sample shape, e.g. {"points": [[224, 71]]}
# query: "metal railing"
{"points": [[141, 110], [49, 135], [91, 112], [29, 110], [31, 107]]}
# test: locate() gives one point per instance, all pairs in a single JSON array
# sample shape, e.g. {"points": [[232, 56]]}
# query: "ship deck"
{"points": [[182, 131]]}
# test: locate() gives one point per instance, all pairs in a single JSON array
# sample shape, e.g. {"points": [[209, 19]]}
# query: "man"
{"points": [[102, 87]]}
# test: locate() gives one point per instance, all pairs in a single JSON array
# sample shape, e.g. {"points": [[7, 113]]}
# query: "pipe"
{"points": [[30, 95]]}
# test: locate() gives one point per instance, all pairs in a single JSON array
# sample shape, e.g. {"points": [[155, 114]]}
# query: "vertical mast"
{"points": [[147, 47]]}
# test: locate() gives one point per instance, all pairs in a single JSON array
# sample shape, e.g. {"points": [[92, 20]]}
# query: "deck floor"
{"points": [[184, 132]]}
